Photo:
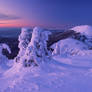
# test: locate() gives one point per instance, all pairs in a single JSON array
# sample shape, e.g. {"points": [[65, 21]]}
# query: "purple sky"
{"points": [[46, 13]]}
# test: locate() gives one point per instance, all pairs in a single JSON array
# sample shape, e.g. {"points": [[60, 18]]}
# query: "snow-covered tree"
{"points": [[3, 58], [4, 46], [37, 48], [24, 39]]}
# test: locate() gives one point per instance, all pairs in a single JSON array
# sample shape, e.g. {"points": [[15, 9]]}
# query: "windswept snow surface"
{"points": [[55, 75]]}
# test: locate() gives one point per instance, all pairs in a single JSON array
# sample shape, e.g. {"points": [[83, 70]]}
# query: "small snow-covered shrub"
{"points": [[3, 59]]}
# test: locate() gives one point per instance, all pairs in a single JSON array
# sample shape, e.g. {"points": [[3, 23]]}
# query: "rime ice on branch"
{"points": [[24, 39], [37, 48]]}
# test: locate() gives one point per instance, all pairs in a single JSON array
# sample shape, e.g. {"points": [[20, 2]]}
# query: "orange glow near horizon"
{"points": [[14, 24]]}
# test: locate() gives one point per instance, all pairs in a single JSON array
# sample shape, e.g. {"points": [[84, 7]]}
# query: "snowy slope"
{"points": [[51, 76], [84, 34], [84, 30], [71, 47], [79, 44]]}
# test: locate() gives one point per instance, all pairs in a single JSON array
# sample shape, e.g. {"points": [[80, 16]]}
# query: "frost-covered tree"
{"points": [[3, 58], [37, 48], [24, 39]]}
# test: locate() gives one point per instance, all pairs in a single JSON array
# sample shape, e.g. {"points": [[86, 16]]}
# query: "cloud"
{"points": [[4, 23], [8, 17]]}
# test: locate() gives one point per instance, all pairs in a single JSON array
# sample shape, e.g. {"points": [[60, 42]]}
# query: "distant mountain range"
{"points": [[9, 32]]}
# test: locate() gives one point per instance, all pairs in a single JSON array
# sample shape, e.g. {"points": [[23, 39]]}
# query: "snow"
{"points": [[84, 30], [69, 69], [85, 34]]}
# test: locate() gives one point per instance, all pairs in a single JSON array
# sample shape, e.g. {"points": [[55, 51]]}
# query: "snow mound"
{"points": [[70, 47], [84, 30]]}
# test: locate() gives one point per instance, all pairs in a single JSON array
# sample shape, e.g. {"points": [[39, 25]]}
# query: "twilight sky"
{"points": [[46, 13]]}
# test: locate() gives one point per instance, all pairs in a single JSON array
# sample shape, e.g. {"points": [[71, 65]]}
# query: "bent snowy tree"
{"points": [[36, 50], [3, 58]]}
